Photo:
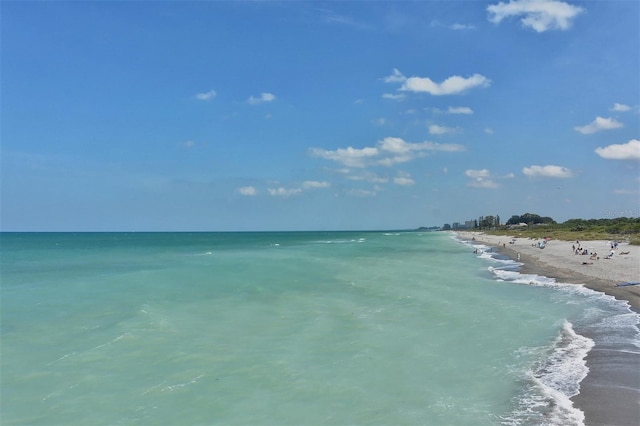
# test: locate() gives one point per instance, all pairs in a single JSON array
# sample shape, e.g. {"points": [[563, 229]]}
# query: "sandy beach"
{"points": [[610, 394], [558, 260]]}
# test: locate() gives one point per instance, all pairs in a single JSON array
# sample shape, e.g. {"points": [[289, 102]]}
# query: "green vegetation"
{"points": [[621, 229]]}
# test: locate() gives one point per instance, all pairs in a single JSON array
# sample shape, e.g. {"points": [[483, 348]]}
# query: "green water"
{"points": [[274, 328]]}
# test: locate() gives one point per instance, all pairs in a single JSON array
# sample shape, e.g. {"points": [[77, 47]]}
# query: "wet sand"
{"points": [[610, 394]]}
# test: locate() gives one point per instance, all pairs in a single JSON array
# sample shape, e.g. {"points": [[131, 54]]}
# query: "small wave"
{"points": [[351, 241], [553, 380]]}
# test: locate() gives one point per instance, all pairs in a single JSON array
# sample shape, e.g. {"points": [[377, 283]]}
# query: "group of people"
{"points": [[594, 256], [585, 251]]}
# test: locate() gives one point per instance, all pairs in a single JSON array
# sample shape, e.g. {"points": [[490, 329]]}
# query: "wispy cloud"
{"points": [[283, 192], [460, 110], [461, 27], [331, 17], [451, 86], [361, 193], [435, 129], [599, 124], [481, 179], [366, 176], [455, 26], [248, 191], [404, 179], [626, 192], [206, 96], [395, 77], [620, 107], [264, 97], [394, 96], [312, 184], [547, 171], [626, 151], [387, 152], [540, 15], [188, 144]]}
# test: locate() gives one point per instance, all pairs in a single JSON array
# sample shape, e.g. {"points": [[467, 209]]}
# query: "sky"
{"points": [[350, 115]]}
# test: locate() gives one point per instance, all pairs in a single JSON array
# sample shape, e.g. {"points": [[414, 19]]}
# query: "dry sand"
{"points": [[557, 260]]}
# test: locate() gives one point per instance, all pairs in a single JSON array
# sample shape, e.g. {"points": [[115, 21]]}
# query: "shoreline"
{"points": [[610, 394], [557, 261]]}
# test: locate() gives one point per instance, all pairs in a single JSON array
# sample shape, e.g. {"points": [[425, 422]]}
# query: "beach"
{"points": [[558, 260], [610, 394]]}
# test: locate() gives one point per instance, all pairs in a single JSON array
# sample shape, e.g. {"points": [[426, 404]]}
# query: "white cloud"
{"points": [[475, 174], [311, 184], [264, 97], [394, 97], [248, 191], [451, 86], [447, 147], [387, 152], [435, 129], [548, 171], [627, 151], [455, 26], [620, 107], [489, 131], [283, 192], [395, 77], [403, 179], [541, 15], [481, 179], [599, 124], [460, 110], [206, 96], [350, 157]]}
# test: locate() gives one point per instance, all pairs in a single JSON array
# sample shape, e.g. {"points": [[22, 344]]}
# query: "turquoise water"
{"points": [[289, 329]]}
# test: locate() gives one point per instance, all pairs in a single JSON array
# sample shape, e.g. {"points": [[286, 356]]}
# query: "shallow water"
{"points": [[289, 328]]}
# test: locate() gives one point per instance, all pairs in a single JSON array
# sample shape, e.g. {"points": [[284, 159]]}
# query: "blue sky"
{"points": [[222, 116]]}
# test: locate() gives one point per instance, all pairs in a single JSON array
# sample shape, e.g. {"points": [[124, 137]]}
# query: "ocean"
{"points": [[293, 328]]}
